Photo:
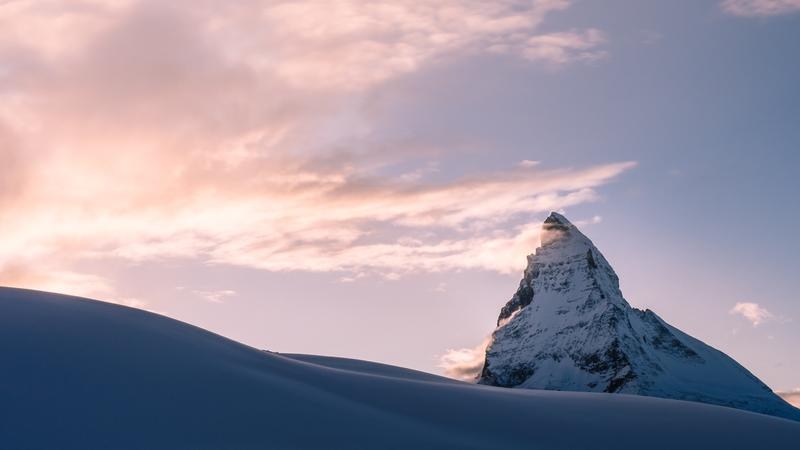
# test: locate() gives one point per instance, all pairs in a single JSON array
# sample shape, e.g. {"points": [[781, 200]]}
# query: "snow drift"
{"points": [[82, 374]]}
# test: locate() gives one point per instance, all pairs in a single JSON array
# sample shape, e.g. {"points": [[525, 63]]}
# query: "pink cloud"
{"points": [[214, 131], [792, 397], [565, 47], [351, 43], [760, 8], [464, 364], [753, 312]]}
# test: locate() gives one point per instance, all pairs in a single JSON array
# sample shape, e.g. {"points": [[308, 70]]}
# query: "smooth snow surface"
{"points": [[82, 374], [369, 368]]}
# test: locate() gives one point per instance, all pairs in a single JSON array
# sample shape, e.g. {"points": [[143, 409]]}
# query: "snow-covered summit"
{"points": [[559, 232], [568, 327]]}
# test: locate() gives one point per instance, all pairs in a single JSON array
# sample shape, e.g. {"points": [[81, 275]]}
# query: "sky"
{"points": [[364, 179]]}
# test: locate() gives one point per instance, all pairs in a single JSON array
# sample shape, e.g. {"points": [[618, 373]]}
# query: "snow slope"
{"points": [[569, 328], [369, 368], [82, 374]]}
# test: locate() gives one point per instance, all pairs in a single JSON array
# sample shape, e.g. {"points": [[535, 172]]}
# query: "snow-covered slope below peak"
{"points": [[82, 374], [569, 328]]}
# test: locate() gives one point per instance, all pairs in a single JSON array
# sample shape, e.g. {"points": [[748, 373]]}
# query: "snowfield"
{"points": [[83, 374]]}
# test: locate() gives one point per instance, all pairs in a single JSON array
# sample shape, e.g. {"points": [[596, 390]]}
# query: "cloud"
{"points": [[54, 279], [354, 43], [593, 221], [218, 296], [752, 312], [459, 225], [63, 281], [235, 133], [311, 44], [465, 363], [760, 8], [324, 220], [792, 397], [352, 278], [565, 47]]}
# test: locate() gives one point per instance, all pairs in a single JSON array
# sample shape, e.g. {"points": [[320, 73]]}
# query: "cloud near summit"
{"points": [[236, 133], [760, 8]]}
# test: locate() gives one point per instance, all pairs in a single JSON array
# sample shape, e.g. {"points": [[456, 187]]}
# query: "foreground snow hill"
{"points": [[82, 374]]}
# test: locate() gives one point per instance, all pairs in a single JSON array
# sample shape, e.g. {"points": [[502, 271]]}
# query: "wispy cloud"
{"points": [[313, 44], [753, 312], [330, 222], [55, 280], [792, 397], [760, 8], [565, 47], [352, 43], [464, 363], [218, 296], [528, 163], [235, 133], [593, 221], [52, 278]]}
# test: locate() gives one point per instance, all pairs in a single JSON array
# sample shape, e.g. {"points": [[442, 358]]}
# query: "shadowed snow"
{"points": [[81, 374]]}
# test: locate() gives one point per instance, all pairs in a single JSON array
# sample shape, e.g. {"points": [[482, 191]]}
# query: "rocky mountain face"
{"points": [[568, 328]]}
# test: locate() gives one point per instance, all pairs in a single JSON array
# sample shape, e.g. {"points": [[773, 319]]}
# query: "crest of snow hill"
{"points": [[568, 328]]}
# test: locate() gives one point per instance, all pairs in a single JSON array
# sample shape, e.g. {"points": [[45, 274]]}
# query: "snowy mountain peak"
{"points": [[557, 218], [557, 230], [568, 327]]}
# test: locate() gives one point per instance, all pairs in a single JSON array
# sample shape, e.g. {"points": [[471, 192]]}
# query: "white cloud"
{"points": [[752, 312], [760, 8], [235, 133], [218, 296], [353, 43], [56, 280], [792, 397], [464, 363], [53, 279], [565, 47], [593, 221], [329, 223], [352, 278]]}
